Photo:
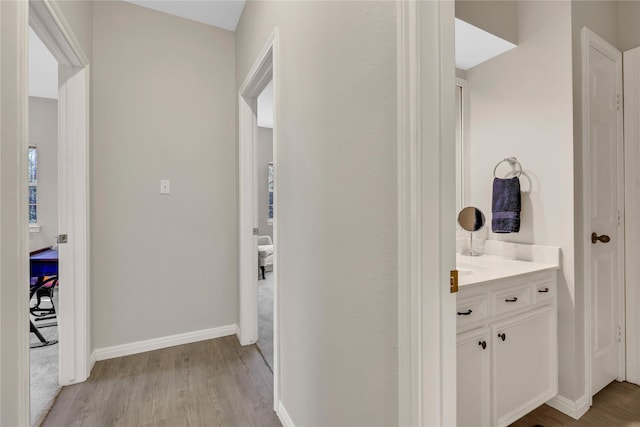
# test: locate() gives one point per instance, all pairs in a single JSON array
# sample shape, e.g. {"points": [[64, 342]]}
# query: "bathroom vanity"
{"points": [[507, 359]]}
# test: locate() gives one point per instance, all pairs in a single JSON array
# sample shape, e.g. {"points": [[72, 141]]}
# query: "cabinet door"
{"points": [[524, 363], [474, 379]]}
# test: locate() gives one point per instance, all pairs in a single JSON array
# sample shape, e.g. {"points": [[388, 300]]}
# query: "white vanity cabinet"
{"points": [[517, 370], [474, 382]]}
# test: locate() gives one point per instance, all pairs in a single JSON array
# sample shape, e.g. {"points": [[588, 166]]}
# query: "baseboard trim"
{"points": [[574, 408], [284, 417], [92, 361], [164, 342]]}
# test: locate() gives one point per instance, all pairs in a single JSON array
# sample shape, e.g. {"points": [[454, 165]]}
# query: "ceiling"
{"points": [[223, 14], [475, 46]]}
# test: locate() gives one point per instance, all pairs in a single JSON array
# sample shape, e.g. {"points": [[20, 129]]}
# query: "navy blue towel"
{"points": [[506, 205]]}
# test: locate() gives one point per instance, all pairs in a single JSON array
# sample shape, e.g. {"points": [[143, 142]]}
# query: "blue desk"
{"points": [[42, 263]]}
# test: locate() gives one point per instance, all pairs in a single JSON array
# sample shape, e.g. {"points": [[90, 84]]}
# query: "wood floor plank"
{"points": [[209, 383], [617, 405]]}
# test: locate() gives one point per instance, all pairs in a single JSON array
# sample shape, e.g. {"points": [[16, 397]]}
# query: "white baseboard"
{"points": [[284, 417], [574, 408], [92, 361], [164, 342]]}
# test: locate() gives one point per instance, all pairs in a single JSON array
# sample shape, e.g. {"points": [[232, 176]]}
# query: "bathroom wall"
{"points": [[521, 105]]}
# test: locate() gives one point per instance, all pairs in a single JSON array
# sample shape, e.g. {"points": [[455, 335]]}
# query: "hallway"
{"points": [[208, 383]]}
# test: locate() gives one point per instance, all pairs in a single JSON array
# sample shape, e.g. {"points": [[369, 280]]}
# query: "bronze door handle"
{"points": [[603, 238]]}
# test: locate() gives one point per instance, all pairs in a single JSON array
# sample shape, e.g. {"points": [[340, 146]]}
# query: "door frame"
{"points": [[14, 245], [47, 21], [632, 210], [264, 69], [426, 214], [591, 39]]}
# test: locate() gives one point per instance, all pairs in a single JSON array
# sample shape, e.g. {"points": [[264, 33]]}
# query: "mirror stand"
{"points": [[470, 251], [471, 219]]}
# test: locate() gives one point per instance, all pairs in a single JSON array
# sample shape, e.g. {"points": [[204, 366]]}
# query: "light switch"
{"points": [[164, 186]]}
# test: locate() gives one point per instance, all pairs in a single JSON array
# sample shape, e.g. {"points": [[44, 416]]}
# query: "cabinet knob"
{"points": [[502, 336], [465, 313], [514, 299], [543, 290], [483, 344]]}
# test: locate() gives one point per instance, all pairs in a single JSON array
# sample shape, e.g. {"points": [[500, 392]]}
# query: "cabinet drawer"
{"points": [[470, 310], [544, 291], [511, 299]]}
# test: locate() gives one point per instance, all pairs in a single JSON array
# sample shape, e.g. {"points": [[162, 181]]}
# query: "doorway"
{"points": [[263, 72], [266, 215], [43, 226], [72, 310], [603, 180]]}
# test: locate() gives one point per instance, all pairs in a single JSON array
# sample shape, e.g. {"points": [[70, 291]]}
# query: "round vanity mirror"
{"points": [[471, 218]]}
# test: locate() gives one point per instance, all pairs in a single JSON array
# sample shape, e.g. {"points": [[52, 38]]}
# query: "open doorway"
{"points": [[262, 74], [266, 214], [43, 226], [61, 160]]}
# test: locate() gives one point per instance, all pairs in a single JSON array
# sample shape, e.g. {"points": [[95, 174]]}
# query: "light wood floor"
{"points": [[617, 405], [210, 383]]}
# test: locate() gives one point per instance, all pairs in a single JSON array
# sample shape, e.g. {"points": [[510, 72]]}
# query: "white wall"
{"points": [[43, 133], [336, 207], [78, 14], [265, 155], [13, 347], [629, 24], [521, 105], [164, 107], [497, 17]]}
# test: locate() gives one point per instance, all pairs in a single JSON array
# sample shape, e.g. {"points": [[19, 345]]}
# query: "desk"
{"points": [[42, 263]]}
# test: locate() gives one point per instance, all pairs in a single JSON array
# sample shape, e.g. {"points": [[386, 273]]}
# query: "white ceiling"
{"points": [[475, 46], [224, 14], [43, 69], [265, 107]]}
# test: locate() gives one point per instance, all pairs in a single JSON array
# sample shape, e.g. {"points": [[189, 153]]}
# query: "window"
{"points": [[33, 185]]}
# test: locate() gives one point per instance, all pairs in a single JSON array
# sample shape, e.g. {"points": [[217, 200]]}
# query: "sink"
{"points": [[463, 271], [469, 266]]}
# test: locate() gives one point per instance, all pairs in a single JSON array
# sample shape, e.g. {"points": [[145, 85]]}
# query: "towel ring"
{"points": [[513, 162]]}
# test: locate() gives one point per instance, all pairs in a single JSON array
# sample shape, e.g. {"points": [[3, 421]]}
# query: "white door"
{"points": [[604, 185]]}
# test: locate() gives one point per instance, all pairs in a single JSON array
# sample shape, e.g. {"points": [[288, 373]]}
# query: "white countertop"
{"points": [[485, 268]]}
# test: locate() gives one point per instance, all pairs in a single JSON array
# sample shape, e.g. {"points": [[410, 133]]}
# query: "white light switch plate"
{"points": [[165, 186]]}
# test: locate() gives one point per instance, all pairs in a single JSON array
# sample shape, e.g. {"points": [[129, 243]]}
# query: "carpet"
{"points": [[265, 318], [44, 372]]}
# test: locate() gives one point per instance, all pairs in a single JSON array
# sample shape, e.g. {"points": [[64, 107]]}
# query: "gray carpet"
{"points": [[44, 372], [265, 318]]}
